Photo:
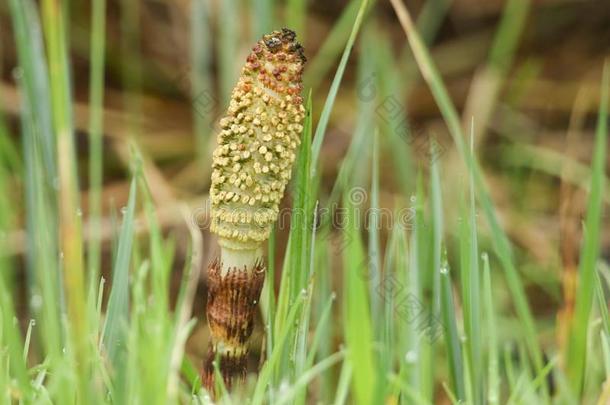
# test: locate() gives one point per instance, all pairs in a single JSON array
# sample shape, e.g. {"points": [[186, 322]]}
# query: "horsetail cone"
{"points": [[252, 165]]}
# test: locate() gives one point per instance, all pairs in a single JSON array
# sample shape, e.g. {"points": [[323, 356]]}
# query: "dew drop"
{"points": [[36, 301], [411, 357], [17, 73]]}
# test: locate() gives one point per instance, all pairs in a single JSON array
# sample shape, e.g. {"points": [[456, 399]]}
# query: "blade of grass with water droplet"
{"points": [[452, 339]]}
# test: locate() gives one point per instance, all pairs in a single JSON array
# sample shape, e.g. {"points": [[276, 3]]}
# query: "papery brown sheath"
{"points": [[252, 165]]}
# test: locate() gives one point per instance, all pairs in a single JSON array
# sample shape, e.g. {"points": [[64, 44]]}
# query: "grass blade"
{"points": [[115, 327], [577, 347], [452, 338], [70, 227], [357, 322], [96, 101], [334, 89], [493, 390]]}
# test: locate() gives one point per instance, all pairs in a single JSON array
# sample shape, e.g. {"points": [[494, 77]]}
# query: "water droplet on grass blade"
{"points": [[411, 357], [36, 301], [17, 73]]}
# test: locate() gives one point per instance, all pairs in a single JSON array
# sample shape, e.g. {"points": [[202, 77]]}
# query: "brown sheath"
{"points": [[232, 302]]}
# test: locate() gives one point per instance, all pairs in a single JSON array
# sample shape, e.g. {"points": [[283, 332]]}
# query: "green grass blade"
{"points": [[474, 293], [307, 376], [301, 225], [356, 316], [40, 182], [227, 49], [115, 327], [577, 347], [334, 89], [452, 339], [493, 379], [602, 305], [201, 55], [319, 332], [268, 299], [70, 226], [96, 102], [436, 219], [343, 384], [33, 71], [373, 230]]}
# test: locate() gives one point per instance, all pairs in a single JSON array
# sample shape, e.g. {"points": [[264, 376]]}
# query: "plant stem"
{"points": [[234, 288]]}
